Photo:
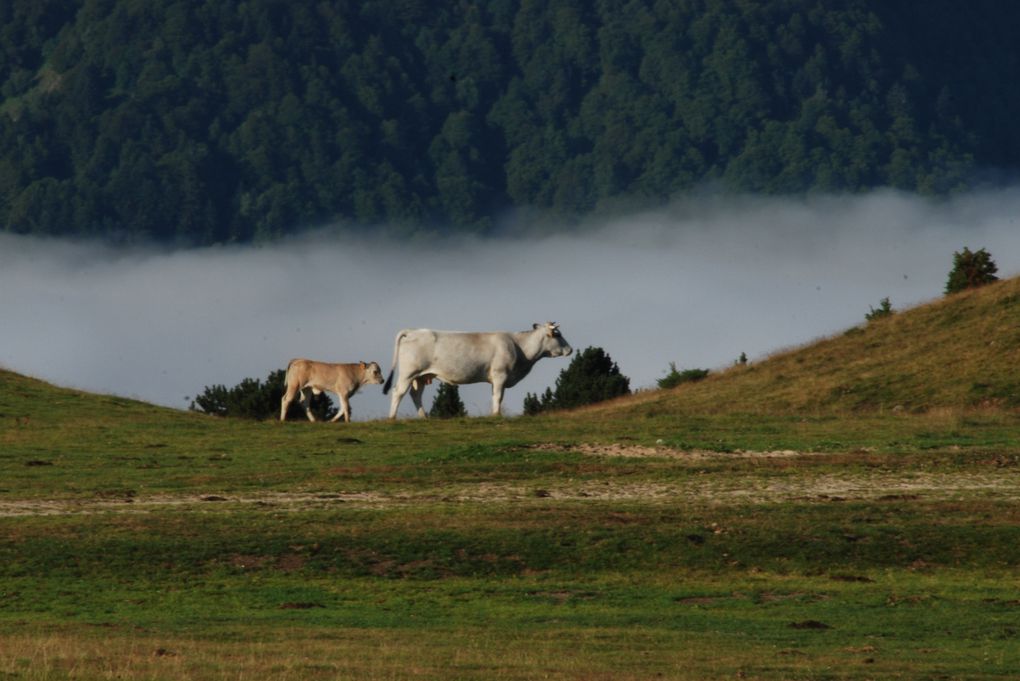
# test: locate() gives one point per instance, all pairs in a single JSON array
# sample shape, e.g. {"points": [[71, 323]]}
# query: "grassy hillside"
{"points": [[958, 352], [743, 527]]}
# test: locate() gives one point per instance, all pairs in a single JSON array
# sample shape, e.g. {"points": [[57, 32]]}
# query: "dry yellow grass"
{"points": [[962, 351], [364, 653]]}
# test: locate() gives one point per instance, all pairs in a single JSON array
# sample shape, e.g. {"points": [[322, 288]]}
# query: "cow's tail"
{"points": [[396, 349]]}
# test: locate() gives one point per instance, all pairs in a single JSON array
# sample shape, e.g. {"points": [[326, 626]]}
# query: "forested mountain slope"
{"points": [[204, 121]]}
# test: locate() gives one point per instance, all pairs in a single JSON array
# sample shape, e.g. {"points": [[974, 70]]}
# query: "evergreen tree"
{"points": [[675, 377], [447, 403], [970, 270], [884, 310], [591, 377], [533, 405]]}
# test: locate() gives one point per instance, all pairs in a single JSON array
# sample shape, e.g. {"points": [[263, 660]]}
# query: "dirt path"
{"points": [[723, 488], [642, 452]]}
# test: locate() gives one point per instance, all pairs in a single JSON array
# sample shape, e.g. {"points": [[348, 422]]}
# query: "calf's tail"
{"points": [[396, 349]]}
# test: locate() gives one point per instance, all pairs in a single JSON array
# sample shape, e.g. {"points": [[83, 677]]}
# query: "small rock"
{"points": [[809, 624]]}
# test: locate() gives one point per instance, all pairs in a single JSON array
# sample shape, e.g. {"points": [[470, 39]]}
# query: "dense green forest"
{"points": [[207, 121]]}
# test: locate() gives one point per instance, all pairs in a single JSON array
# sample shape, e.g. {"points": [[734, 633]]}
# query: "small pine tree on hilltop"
{"points": [[592, 376], [447, 403], [534, 405], [675, 377], [884, 309], [970, 270]]}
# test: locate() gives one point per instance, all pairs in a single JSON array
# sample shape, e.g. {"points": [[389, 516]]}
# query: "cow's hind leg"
{"points": [[398, 392], [417, 388]]}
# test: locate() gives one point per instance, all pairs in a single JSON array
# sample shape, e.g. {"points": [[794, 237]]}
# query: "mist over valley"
{"points": [[696, 284]]}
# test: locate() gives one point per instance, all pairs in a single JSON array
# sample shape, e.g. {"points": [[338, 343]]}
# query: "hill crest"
{"points": [[960, 351]]}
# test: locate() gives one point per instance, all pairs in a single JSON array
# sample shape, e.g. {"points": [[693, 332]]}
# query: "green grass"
{"points": [[659, 536]]}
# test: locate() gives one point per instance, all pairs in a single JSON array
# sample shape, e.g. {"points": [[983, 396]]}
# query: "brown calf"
{"points": [[304, 375]]}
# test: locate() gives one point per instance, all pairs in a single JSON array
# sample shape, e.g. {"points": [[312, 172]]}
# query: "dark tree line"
{"points": [[207, 121]]}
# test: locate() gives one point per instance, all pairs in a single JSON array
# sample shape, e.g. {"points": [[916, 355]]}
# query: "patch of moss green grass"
{"points": [[121, 449], [787, 591], [810, 589]]}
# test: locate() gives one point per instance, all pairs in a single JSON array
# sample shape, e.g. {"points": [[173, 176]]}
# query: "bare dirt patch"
{"points": [[197, 502], [692, 485], [663, 452]]}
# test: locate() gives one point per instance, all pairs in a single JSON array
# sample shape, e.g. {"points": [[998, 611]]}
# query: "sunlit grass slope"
{"points": [[23, 397], [961, 351]]}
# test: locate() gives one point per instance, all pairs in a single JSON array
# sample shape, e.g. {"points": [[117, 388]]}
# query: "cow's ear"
{"points": [[535, 325], [362, 364]]}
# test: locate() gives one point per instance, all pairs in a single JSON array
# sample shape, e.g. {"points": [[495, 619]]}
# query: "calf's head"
{"points": [[371, 373]]}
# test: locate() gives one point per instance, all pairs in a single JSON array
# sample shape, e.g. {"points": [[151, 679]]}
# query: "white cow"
{"points": [[500, 358], [304, 375]]}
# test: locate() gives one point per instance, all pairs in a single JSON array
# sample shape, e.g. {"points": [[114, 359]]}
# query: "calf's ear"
{"points": [[362, 364], [535, 325]]}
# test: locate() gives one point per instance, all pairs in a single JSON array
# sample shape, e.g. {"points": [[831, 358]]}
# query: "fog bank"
{"points": [[697, 284]]}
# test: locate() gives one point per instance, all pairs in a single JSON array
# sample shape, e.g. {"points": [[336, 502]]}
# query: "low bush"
{"points": [[675, 377]]}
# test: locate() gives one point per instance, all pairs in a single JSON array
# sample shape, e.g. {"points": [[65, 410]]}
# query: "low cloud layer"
{"points": [[697, 284]]}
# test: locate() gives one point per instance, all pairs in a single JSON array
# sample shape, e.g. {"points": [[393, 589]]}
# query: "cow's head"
{"points": [[553, 342], [371, 372]]}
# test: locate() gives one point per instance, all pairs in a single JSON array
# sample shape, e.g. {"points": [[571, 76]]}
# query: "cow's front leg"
{"points": [[497, 397]]}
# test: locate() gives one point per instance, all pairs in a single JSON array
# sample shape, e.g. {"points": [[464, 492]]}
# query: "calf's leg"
{"points": [[345, 408], [306, 402], [288, 397]]}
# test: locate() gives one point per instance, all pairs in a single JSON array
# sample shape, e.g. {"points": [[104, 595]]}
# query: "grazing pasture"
{"points": [[655, 537]]}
